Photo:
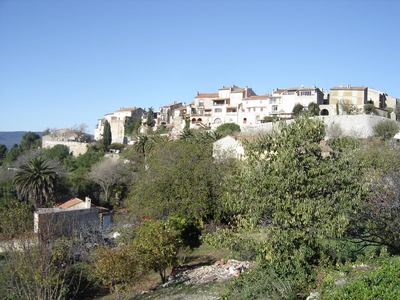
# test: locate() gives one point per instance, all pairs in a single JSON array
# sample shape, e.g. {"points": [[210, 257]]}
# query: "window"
{"points": [[254, 109], [248, 109], [274, 108], [272, 101], [244, 120], [261, 109], [201, 103], [218, 110], [305, 93]]}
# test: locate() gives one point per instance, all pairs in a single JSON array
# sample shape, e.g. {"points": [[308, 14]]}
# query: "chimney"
{"points": [[88, 202]]}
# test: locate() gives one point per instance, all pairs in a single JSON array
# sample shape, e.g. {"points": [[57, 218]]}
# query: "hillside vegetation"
{"points": [[310, 215]]}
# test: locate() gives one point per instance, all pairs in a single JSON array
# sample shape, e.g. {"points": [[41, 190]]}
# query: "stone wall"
{"points": [[360, 126], [76, 148]]}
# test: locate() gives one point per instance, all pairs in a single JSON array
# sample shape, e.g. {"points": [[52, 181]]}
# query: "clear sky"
{"points": [[66, 62]]}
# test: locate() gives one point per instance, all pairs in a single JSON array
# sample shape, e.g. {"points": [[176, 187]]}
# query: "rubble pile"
{"points": [[219, 271]]}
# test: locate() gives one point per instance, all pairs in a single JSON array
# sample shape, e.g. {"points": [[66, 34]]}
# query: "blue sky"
{"points": [[70, 62]]}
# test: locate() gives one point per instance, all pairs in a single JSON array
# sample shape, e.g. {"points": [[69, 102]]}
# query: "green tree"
{"points": [[117, 268], [107, 135], [167, 185], [301, 196], [369, 107], [16, 218], [150, 122], [313, 109], [227, 129], [30, 140], [35, 181], [157, 245], [298, 110], [12, 154], [386, 129], [3, 152], [58, 152], [132, 125], [377, 220]]}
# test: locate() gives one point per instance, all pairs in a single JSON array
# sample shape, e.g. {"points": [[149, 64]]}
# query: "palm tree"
{"points": [[35, 182]]}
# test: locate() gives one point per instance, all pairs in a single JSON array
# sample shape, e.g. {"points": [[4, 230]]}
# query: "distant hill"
{"points": [[9, 138]]}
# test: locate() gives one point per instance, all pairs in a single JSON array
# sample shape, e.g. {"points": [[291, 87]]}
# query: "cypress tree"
{"points": [[107, 135]]}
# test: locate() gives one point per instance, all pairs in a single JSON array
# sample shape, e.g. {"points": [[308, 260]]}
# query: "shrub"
{"points": [[117, 146], [369, 108], [378, 218], [380, 283], [313, 109], [117, 268], [298, 109], [227, 129], [157, 245], [260, 283], [386, 129], [300, 196]]}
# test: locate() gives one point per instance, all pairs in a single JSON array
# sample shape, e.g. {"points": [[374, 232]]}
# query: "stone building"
{"points": [[117, 121], [76, 141]]}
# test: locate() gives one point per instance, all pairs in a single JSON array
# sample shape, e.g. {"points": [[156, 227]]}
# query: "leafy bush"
{"points": [[181, 178], [157, 245], [313, 109], [379, 283], [227, 129], [241, 241], [377, 220], [298, 109], [301, 197], [260, 283], [343, 144], [117, 268], [58, 152], [189, 230], [386, 129], [369, 108]]}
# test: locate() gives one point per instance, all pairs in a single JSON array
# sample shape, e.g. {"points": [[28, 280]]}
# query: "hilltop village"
{"points": [[242, 106], [288, 195]]}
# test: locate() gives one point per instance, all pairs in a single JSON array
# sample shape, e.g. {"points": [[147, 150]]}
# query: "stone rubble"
{"points": [[219, 271]]}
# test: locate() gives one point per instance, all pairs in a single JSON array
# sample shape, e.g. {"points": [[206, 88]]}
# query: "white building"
{"points": [[254, 109], [287, 98], [117, 121]]}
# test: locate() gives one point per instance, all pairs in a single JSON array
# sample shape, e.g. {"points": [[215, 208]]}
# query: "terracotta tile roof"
{"points": [[70, 203], [207, 95], [258, 97]]}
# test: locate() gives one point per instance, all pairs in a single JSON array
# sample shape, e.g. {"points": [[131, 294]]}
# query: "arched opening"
{"points": [[199, 120], [193, 120], [217, 121], [324, 112]]}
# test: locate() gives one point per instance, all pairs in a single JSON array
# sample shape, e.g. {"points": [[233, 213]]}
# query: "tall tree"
{"points": [[313, 109], [107, 138], [35, 181], [30, 140], [150, 118], [3, 152], [108, 173]]}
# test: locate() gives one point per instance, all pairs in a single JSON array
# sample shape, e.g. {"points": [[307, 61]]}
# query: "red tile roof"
{"points": [[207, 95], [258, 97], [70, 203]]}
